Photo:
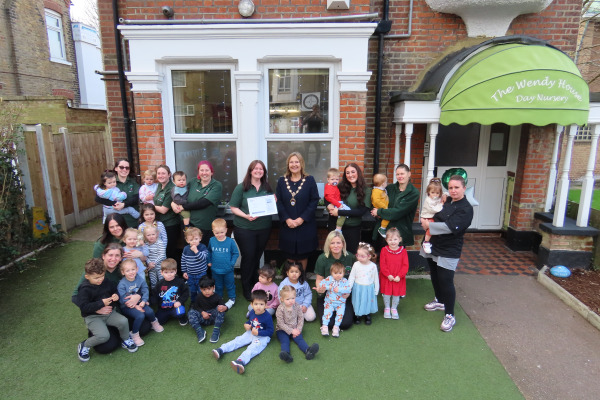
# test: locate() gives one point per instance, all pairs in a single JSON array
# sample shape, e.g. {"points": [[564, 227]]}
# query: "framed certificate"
{"points": [[261, 206]]}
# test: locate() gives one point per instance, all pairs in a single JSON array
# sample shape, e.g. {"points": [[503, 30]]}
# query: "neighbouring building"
{"points": [[436, 84]]}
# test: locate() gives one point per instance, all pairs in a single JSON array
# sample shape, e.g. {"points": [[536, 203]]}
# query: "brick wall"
{"points": [[151, 140], [26, 69]]}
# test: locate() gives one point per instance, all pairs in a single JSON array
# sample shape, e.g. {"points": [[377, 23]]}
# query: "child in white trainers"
{"points": [[131, 284], [336, 286], [290, 320], [393, 267], [265, 282], [433, 204]]}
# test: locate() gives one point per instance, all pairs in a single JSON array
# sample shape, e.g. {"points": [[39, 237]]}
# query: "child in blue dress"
{"points": [[364, 280]]}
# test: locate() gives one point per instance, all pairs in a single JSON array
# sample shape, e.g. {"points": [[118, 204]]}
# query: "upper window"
{"points": [[584, 133], [56, 41], [202, 101]]}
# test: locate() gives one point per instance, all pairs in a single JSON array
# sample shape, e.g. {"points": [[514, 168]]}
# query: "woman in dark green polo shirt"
{"points": [[125, 183], [204, 196], [164, 213], [251, 233]]}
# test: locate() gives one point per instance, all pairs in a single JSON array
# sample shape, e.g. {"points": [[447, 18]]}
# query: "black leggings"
{"points": [[251, 244], [442, 280]]}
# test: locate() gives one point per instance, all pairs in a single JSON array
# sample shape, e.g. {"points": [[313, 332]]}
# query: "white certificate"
{"points": [[263, 205]]}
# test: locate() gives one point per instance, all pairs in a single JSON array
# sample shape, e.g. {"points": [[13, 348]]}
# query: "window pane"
{"points": [[316, 154], [202, 101], [55, 43], [52, 21], [222, 156], [299, 100], [457, 145], [498, 150]]}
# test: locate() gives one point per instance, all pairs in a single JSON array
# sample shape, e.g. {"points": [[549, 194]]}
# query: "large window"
{"points": [[56, 36], [299, 100]]}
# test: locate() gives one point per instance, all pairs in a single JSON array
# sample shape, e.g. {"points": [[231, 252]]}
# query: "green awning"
{"points": [[516, 84]]}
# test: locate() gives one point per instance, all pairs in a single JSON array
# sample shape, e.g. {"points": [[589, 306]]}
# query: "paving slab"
{"points": [[549, 350]]}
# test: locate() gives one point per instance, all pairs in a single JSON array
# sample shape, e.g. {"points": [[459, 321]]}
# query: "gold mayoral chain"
{"points": [[287, 183]]}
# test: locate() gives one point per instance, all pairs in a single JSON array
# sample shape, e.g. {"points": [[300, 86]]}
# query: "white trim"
{"points": [[61, 31]]}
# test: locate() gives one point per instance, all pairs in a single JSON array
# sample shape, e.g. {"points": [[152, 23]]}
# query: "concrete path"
{"points": [[548, 349]]}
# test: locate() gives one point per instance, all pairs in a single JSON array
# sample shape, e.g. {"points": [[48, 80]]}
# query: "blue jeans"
{"points": [[138, 316], [284, 339], [257, 344], [224, 281], [193, 283], [197, 321]]}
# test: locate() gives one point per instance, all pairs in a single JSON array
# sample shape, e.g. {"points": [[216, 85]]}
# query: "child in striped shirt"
{"points": [[157, 252], [194, 260]]}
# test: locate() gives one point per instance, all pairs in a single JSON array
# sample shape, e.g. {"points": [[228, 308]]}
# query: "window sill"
{"points": [[59, 61]]}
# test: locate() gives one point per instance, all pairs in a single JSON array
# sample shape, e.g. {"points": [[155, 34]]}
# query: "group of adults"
{"points": [[297, 198]]}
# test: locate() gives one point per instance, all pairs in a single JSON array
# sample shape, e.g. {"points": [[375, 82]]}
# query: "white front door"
{"points": [[486, 153]]}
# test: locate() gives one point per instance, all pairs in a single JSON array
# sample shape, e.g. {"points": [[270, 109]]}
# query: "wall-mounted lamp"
{"points": [[246, 8]]}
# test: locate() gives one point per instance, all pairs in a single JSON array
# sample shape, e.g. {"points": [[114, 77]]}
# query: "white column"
{"points": [[408, 131], [248, 85], [563, 186], [397, 148], [433, 131], [553, 171], [587, 189]]}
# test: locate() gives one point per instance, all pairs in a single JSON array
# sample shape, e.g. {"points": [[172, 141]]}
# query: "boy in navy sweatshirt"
{"points": [[259, 329], [95, 298]]}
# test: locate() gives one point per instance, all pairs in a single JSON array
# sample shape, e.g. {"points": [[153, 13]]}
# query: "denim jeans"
{"points": [[138, 316], [256, 345], [193, 283], [284, 339]]}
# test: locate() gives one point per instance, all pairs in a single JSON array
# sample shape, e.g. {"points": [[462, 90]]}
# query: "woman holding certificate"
{"points": [[251, 233], [297, 199]]}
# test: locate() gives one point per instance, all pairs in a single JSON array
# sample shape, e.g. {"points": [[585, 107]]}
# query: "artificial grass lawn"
{"points": [[408, 359], [575, 195]]}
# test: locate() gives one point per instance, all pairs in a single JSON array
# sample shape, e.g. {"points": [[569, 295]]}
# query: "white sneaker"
{"points": [[448, 323], [427, 247], [230, 303], [434, 306]]}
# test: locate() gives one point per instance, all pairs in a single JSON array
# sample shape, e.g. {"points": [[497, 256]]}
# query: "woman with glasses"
{"points": [[125, 183]]}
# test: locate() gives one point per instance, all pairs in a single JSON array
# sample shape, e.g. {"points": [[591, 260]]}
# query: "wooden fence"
{"points": [[60, 168]]}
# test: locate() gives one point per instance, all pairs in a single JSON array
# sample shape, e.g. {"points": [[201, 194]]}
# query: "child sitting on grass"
{"points": [[131, 284], [96, 298], [336, 286], [265, 282], [259, 329], [208, 309], [290, 320], [171, 293]]}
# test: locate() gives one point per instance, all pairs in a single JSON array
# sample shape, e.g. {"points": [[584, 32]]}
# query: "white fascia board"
{"points": [[417, 112]]}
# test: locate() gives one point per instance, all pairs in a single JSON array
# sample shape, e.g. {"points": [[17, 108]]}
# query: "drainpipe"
{"points": [[121, 72]]}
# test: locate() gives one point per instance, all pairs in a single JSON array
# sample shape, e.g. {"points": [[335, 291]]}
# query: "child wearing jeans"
{"points": [[171, 293], [259, 329], [94, 294], [332, 195], [222, 255], [336, 286], [380, 199], [194, 260], [290, 320], [433, 204], [179, 194], [265, 282], [208, 309], [131, 284], [108, 190], [149, 187]]}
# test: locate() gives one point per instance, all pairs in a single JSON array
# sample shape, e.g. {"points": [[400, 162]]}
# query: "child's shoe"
{"points": [[335, 332], [238, 366], [217, 353], [136, 339], [386, 313], [356, 320], [312, 350], [201, 334], [230, 303], [83, 352], [368, 320], [324, 330], [427, 247], [130, 345], [156, 327], [214, 338], [183, 321], [285, 356], [382, 232], [395, 314]]}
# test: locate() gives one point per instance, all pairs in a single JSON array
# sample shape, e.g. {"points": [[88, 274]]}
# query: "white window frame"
{"points": [[60, 31]]}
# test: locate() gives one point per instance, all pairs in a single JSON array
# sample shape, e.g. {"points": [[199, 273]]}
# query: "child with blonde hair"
{"points": [[380, 199], [332, 195], [130, 237], [222, 255], [149, 187], [290, 320], [433, 204], [393, 267], [364, 281], [336, 286]]}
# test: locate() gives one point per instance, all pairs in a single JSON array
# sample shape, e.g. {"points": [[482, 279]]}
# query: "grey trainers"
{"points": [[129, 345], [434, 306], [448, 323], [83, 352], [230, 303]]}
